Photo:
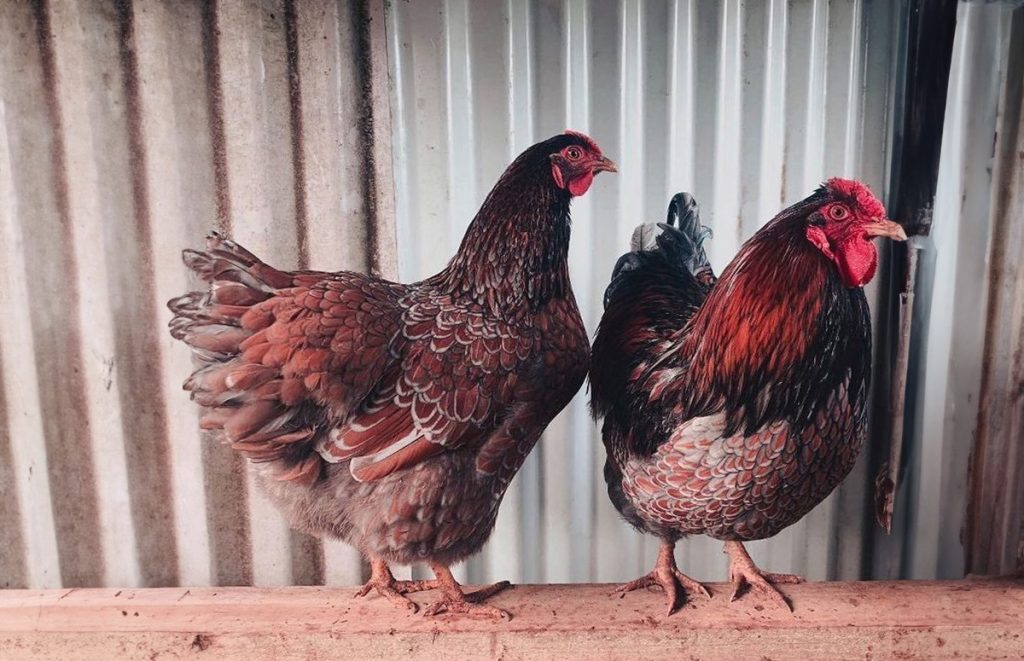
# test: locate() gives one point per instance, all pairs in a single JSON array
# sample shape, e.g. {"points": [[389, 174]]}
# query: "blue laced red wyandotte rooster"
{"points": [[393, 416], [733, 406]]}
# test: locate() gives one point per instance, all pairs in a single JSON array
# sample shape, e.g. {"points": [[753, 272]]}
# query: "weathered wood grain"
{"points": [[973, 619]]}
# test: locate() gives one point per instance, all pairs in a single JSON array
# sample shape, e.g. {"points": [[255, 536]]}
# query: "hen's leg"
{"points": [[383, 581], [743, 572], [454, 600], [674, 582]]}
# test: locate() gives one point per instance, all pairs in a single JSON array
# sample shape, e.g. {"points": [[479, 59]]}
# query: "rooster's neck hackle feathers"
{"points": [[777, 333], [514, 253]]}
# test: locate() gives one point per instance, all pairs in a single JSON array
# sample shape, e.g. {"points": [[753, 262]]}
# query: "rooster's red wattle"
{"points": [[733, 407], [393, 416]]}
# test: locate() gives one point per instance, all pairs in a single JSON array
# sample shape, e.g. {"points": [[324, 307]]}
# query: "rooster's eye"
{"points": [[573, 153], [838, 212]]}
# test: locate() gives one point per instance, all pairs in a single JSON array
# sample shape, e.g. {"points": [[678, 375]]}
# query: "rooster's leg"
{"points": [[743, 572], [383, 581], [665, 574], [454, 600]]}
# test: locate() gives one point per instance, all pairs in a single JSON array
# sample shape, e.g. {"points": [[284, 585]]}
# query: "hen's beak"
{"points": [[604, 164], [887, 228]]}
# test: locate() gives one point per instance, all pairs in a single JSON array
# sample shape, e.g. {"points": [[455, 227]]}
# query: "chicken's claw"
{"points": [[390, 592], [744, 573], [666, 575], [383, 581], [456, 601]]}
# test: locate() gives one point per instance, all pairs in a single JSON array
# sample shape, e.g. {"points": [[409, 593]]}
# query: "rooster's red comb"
{"points": [[858, 194]]}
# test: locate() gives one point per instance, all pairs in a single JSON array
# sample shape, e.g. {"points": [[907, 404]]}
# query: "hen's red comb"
{"points": [[858, 194], [591, 145]]}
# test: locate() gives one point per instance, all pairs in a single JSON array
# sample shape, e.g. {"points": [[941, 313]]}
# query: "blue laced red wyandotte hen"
{"points": [[393, 416], [733, 406]]}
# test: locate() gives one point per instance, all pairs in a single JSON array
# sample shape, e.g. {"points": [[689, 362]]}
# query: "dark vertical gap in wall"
{"points": [[928, 31], [144, 417], [65, 413]]}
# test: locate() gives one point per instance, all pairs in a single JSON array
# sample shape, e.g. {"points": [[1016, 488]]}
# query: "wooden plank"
{"points": [[976, 619]]}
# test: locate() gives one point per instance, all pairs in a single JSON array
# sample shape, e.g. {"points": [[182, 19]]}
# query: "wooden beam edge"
{"points": [[981, 619]]}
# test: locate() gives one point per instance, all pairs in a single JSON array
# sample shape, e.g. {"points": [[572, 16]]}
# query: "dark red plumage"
{"points": [[733, 407], [393, 416]]}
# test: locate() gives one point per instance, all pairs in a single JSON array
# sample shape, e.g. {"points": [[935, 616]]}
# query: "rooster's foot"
{"points": [[384, 583], [744, 573], [665, 574]]}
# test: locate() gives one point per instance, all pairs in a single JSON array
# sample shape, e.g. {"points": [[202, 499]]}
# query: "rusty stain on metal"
{"points": [[215, 110], [151, 494], [295, 116], [59, 352]]}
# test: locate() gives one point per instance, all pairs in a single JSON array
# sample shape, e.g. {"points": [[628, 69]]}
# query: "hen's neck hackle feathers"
{"points": [[515, 251]]}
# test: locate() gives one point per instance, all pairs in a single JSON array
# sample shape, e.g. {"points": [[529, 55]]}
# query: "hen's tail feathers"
{"points": [[246, 399], [680, 240]]}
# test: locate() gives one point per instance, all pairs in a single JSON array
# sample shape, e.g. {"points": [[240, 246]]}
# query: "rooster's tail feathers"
{"points": [[683, 236], [678, 242]]}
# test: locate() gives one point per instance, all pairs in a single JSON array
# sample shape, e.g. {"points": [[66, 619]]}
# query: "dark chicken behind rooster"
{"points": [[394, 416], [733, 407]]}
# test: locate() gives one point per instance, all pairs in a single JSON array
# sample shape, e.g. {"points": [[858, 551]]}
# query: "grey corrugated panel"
{"points": [[129, 130], [994, 537], [747, 104], [953, 307]]}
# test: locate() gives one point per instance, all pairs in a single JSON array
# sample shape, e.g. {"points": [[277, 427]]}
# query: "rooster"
{"points": [[733, 406], [393, 416]]}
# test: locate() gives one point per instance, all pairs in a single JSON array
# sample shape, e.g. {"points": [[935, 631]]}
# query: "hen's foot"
{"points": [[665, 574], [469, 604], [454, 600], [384, 583], [745, 574], [405, 587]]}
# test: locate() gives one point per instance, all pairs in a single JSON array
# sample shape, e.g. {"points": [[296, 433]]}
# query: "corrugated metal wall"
{"points": [[966, 308], [749, 105], [130, 128]]}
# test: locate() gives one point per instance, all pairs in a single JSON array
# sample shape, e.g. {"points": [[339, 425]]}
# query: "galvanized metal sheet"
{"points": [[749, 105], [129, 129]]}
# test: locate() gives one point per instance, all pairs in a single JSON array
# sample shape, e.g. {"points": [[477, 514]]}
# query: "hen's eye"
{"points": [[573, 153], [838, 212]]}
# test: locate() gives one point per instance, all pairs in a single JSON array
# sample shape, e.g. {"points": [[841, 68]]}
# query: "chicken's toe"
{"points": [[469, 604], [390, 592], [667, 576]]}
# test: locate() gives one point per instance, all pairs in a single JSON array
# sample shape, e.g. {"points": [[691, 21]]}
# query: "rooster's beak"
{"points": [[604, 164], [888, 228]]}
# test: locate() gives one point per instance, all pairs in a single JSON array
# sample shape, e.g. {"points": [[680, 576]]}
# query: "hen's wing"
{"points": [[456, 380]]}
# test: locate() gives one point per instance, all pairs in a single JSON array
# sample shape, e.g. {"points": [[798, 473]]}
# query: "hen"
{"points": [[393, 416], [733, 407]]}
